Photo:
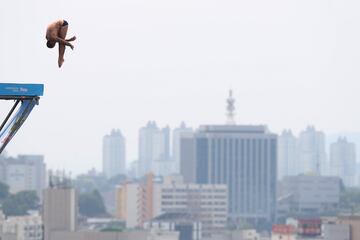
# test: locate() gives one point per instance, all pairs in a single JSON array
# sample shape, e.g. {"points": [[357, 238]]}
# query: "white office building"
{"points": [[311, 152], [114, 155], [24, 173], [343, 161], [287, 154]]}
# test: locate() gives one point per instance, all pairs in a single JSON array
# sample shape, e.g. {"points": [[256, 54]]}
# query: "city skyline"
{"points": [[287, 141], [180, 120], [286, 70], [329, 139]]}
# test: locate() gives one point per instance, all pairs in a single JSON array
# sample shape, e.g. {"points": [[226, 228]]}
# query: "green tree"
{"points": [[91, 204], [117, 179], [350, 200], [112, 229], [85, 185], [4, 191], [20, 203]]}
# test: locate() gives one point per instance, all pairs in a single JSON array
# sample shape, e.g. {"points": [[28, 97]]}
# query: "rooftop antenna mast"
{"points": [[230, 109]]}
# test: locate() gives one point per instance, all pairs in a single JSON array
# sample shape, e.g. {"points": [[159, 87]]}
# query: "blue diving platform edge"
{"points": [[8, 90]]}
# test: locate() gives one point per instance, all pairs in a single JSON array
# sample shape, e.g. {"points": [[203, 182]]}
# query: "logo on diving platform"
{"points": [[17, 89]]}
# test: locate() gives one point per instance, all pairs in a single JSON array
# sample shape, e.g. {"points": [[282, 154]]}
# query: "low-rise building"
{"points": [[246, 234], [131, 235], [283, 232], [206, 202], [22, 227], [60, 221], [140, 202], [308, 196], [354, 222], [306, 227], [336, 231], [182, 223]]}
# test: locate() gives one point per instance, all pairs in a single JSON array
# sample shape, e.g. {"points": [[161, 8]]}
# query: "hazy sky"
{"points": [[290, 62]]}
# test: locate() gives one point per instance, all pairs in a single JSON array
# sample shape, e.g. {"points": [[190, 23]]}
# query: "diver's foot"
{"points": [[60, 62]]}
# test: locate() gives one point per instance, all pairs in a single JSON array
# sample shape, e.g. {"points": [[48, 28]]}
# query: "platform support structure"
{"points": [[27, 95]]}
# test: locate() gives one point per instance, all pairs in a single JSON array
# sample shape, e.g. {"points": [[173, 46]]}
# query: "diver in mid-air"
{"points": [[56, 33]]}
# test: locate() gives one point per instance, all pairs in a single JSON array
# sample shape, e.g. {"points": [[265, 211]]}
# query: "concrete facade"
{"points": [[354, 222], [60, 211]]}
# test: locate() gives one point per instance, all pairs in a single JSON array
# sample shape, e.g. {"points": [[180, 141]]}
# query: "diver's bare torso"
{"points": [[53, 30]]}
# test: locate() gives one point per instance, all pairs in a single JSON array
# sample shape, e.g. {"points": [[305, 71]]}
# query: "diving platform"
{"points": [[25, 97]]}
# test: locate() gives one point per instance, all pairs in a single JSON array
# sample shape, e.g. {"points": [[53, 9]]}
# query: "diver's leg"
{"points": [[62, 34]]}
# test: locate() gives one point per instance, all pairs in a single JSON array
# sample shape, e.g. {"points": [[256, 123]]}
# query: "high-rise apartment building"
{"points": [[343, 161], [242, 157], [24, 173], [177, 132], [114, 154], [311, 152], [154, 150], [287, 154]]}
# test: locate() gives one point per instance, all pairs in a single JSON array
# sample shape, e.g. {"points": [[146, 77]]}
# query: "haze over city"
{"points": [[290, 63], [180, 120]]}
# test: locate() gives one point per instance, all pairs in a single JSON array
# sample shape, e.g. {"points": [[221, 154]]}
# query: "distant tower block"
{"points": [[230, 109]]}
